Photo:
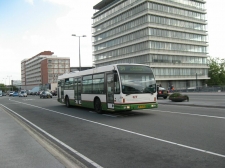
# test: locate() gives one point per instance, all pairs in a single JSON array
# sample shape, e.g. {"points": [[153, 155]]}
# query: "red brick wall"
{"points": [[44, 71]]}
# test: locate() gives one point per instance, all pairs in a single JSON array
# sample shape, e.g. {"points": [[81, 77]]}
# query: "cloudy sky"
{"points": [[28, 27]]}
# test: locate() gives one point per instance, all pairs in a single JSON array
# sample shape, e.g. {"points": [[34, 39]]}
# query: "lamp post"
{"points": [[79, 49]]}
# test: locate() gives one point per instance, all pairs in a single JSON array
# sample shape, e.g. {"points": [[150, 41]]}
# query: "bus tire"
{"points": [[98, 106], [67, 102]]}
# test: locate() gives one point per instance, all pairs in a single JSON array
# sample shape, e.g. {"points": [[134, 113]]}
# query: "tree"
{"points": [[2, 87], [5, 88], [216, 71]]}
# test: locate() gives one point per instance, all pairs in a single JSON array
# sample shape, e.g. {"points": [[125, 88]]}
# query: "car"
{"points": [[3, 93], [28, 92], [54, 93], [38, 93], [45, 94], [162, 92], [15, 94], [11, 93], [23, 94]]}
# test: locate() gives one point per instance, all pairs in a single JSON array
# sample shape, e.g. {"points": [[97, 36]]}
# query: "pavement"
{"points": [[18, 149]]}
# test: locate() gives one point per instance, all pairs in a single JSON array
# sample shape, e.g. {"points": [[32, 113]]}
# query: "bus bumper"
{"points": [[119, 107]]}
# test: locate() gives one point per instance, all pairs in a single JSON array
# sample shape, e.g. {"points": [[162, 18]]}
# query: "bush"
{"points": [[178, 97]]}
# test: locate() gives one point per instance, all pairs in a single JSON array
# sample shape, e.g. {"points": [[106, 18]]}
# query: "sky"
{"points": [[28, 27]]}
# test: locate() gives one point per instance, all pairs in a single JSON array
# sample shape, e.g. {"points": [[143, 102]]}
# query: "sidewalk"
{"points": [[19, 150]]}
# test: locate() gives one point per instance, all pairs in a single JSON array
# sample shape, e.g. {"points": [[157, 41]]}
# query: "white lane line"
{"points": [[131, 132], [57, 140], [199, 115]]}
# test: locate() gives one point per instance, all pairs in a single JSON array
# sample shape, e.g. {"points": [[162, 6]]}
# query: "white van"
{"points": [[0, 93]]}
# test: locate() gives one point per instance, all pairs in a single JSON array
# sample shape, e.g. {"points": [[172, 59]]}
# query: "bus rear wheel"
{"points": [[98, 106], [67, 102]]}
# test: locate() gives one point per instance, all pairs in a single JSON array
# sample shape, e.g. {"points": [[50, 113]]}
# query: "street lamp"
{"points": [[79, 48]]}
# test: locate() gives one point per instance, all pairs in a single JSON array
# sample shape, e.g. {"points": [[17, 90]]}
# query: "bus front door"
{"points": [[110, 91]]}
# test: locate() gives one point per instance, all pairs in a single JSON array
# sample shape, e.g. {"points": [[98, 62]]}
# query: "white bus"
{"points": [[118, 87]]}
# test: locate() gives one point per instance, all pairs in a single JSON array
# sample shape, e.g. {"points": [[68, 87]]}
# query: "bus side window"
{"points": [[98, 83]]}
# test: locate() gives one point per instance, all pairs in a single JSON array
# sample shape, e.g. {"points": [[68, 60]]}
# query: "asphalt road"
{"points": [[170, 136]]}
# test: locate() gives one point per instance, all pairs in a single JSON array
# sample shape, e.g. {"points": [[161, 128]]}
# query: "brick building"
{"points": [[43, 69]]}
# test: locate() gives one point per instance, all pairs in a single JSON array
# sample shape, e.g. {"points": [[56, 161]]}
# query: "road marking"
{"points": [[199, 115], [131, 132], [27, 99], [57, 140]]}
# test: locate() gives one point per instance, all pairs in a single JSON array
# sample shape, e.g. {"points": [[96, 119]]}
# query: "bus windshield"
{"points": [[137, 79]]}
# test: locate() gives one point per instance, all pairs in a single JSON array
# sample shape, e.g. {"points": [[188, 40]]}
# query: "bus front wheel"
{"points": [[98, 106]]}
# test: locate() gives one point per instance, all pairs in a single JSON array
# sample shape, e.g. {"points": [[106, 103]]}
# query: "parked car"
{"points": [[28, 92], [23, 94], [54, 93], [45, 94], [38, 93], [15, 94], [162, 92], [3, 93], [11, 93]]}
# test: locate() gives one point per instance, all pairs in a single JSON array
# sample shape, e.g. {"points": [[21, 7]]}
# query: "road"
{"points": [[169, 136]]}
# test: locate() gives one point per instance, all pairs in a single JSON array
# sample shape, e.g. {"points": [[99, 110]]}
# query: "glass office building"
{"points": [[168, 35]]}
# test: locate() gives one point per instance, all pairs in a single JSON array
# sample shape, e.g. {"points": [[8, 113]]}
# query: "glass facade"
{"points": [[149, 7], [125, 4], [152, 45], [147, 32], [168, 35]]}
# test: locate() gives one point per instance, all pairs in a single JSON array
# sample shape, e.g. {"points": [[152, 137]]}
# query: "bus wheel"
{"points": [[67, 103], [98, 106]]}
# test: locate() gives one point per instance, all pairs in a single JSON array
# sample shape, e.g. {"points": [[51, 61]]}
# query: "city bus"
{"points": [[118, 87]]}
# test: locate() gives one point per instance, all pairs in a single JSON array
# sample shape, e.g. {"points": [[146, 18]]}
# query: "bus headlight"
{"points": [[126, 107]]}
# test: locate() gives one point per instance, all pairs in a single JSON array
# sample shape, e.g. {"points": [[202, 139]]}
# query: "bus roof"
{"points": [[94, 70]]}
